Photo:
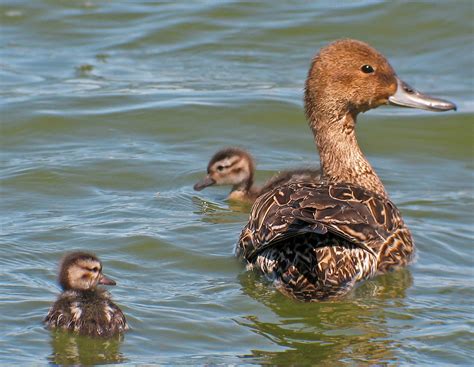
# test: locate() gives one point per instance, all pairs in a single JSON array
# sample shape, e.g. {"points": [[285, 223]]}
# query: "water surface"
{"points": [[109, 113]]}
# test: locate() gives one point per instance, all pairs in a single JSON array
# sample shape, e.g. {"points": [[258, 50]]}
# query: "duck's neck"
{"points": [[244, 191], [340, 155]]}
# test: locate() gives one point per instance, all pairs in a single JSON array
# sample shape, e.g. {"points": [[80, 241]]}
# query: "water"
{"points": [[110, 111]]}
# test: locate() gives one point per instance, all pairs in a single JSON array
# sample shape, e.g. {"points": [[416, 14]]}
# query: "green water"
{"points": [[109, 113]]}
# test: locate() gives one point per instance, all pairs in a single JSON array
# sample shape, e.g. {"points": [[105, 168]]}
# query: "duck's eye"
{"points": [[95, 270], [367, 69], [220, 168]]}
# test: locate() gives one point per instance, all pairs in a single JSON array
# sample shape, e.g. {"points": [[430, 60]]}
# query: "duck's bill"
{"points": [[106, 281], [406, 96], [205, 182]]}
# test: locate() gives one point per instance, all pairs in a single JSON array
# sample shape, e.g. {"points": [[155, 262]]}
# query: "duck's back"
{"points": [[86, 312], [316, 239]]}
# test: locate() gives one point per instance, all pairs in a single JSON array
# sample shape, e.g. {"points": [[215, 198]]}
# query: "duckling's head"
{"points": [[349, 76], [81, 271], [229, 166]]}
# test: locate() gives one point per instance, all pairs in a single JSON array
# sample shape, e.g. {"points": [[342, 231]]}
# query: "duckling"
{"points": [[236, 167], [316, 240], [82, 307]]}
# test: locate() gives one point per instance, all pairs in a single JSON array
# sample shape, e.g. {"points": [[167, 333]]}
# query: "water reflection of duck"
{"points": [[356, 328], [315, 240], [72, 349], [236, 167], [82, 306]]}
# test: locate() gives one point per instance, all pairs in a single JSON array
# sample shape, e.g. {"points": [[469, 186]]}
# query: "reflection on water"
{"points": [[69, 348], [353, 329], [212, 212]]}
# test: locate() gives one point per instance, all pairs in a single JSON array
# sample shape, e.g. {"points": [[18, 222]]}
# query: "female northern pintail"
{"points": [[315, 240]]}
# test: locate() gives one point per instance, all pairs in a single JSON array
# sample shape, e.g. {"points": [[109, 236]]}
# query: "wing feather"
{"points": [[348, 211]]}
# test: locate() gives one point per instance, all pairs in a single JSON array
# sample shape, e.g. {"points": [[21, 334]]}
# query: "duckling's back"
{"points": [[287, 177], [87, 313]]}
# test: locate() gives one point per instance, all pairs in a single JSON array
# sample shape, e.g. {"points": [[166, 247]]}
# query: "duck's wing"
{"points": [[64, 313], [117, 319], [351, 212], [110, 318]]}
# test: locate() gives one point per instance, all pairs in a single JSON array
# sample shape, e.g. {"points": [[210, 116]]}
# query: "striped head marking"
{"points": [[82, 271], [230, 166]]}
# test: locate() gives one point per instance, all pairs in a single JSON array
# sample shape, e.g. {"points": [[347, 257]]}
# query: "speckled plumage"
{"points": [[315, 240], [87, 312]]}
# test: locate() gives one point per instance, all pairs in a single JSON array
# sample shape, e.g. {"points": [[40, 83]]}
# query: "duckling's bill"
{"points": [[205, 182], [406, 96], [106, 281]]}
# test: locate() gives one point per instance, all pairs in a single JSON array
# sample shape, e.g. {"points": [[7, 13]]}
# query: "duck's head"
{"points": [[229, 166], [350, 76], [82, 271]]}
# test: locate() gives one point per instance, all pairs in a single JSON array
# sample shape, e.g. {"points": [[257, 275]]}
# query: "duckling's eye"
{"points": [[95, 270], [220, 168], [367, 69]]}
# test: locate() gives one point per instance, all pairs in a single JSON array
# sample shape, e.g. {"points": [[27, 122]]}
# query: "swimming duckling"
{"points": [[82, 306], [236, 167]]}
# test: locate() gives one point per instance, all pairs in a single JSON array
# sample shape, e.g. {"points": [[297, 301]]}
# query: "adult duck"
{"points": [[315, 240], [236, 167]]}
